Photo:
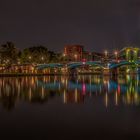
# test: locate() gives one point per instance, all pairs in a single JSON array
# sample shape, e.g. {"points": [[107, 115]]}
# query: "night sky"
{"points": [[96, 24]]}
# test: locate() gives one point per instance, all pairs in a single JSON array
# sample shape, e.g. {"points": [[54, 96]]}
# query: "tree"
{"points": [[53, 57], [36, 54], [8, 53]]}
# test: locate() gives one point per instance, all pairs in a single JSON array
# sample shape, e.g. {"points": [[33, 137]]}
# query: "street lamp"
{"points": [[106, 53], [64, 54], [7, 61], [42, 58], [64, 57], [75, 57], [18, 61], [30, 57], [106, 57], [116, 54]]}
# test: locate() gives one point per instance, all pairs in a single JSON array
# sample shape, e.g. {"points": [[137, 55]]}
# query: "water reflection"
{"points": [[116, 91]]}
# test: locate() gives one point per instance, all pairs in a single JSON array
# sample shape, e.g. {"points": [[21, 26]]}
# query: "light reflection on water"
{"points": [[78, 90]]}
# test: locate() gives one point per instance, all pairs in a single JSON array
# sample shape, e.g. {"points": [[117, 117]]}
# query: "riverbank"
{"points": [[24, 74], [53, 74]]}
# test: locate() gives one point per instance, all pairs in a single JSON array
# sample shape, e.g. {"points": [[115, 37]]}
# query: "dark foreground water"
{"points": [[60, 107]]}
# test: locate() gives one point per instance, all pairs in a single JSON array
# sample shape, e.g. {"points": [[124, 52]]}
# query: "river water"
{"points": [[70, 107]]}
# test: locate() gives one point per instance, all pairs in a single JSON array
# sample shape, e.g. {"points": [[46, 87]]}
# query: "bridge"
{"points": [[134, 65], [70, 65]]}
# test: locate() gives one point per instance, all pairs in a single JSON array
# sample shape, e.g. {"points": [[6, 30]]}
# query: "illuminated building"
{"points": [[74, 52]]}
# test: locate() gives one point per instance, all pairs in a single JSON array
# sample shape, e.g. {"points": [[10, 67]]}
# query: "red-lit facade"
{"points": [[74, 52]]}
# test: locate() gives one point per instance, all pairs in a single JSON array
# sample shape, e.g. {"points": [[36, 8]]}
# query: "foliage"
{"points": [[37, 54], [8, 53]]}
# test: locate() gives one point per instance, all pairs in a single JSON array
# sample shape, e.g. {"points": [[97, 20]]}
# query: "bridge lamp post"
{"points": [[106, 53], [135, 54], [64, 57], [116, 55]]}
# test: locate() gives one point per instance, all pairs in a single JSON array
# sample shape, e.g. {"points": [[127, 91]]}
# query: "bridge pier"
{"points": [[114, 72], [106, 71]]}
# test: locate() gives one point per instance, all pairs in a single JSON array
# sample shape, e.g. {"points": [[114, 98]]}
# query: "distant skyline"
{"points": [[96, 24]]}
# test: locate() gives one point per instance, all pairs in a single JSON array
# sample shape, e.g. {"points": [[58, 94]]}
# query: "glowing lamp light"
{"points": [[106, 52], [75, 56], [116, 53], [42, 58], [84, 63]]}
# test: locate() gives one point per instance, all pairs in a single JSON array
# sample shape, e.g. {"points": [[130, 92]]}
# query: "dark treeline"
{"points": [[10, 54]]}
